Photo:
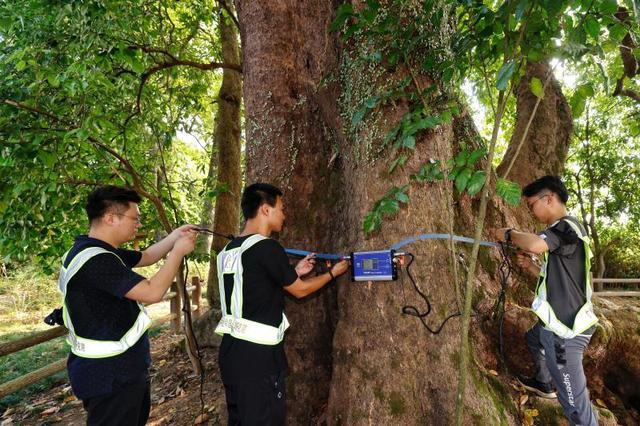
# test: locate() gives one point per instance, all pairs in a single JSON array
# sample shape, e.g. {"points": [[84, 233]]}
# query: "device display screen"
{"points": [[368, 264]]}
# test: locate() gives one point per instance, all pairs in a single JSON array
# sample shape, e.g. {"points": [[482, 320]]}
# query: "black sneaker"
{"points": [[545, 390]]}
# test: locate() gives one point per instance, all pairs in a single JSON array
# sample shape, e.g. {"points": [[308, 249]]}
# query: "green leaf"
{"points": [[82, 134], [504, 74], [358, 115], [47, 158], [137, 65], [345, 10], [372, 221], [53, 80], [617, 32], [536, 87], [409, 141], [402, 197], [476, 155], [388, 206], [476, 182], [608, 7], [371, 102], [591, 26], [586, 90], [534, 55], [521, 8], [509, 191], [577, 103], [461, 158], [400, 161], [21, 65], [463, 179]]}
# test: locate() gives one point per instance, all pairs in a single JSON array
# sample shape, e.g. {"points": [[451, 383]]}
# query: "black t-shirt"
{"points": [[266, 270], [565, 270], [99, 311]]}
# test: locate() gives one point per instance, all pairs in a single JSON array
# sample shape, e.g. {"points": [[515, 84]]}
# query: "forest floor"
{"points": [[175, 392]]}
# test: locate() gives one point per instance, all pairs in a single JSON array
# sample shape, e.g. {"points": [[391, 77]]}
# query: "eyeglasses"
{"points": [[136, 219], [530, 205]]}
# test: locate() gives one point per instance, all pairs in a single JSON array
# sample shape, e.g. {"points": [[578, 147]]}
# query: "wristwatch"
{"points": [[507, 234]]}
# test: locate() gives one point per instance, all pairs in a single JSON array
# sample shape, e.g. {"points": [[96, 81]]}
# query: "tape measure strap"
{"points": [[334, 256]]}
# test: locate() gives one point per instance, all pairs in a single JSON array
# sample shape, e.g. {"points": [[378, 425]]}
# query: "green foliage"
{"points": [[537, 87], [74, 113], [387, 206], [509, 191]]}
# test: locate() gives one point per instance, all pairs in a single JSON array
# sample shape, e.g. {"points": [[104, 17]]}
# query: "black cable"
{"points": [[212, 232], [505, 270], [413, 311]]}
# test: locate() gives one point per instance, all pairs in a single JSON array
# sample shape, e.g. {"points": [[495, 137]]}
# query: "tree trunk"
{"points": [[546, 144], [354, 358], [287, 51], [227, 141]]}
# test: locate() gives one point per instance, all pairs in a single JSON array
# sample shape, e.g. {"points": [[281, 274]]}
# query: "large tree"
{"points": [[319, 108]]}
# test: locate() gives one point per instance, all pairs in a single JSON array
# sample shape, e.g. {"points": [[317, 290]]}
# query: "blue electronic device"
{"points": [[374, 266]]}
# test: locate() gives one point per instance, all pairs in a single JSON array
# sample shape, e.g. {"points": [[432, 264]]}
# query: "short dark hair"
{"points": [[256, 195], [550, 183], [104, 198]]}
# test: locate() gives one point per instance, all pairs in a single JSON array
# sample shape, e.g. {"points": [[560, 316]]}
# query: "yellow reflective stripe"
{"points": [[252, 331], [585, 318], [89, 348], [229, 261]]}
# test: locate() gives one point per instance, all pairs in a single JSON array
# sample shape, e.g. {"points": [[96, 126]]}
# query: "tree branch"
{"points": [[226, 7]]}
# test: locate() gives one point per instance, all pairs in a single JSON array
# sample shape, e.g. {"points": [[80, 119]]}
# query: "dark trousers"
{"points": [[260, 402], [559, 361], [128, 404]]}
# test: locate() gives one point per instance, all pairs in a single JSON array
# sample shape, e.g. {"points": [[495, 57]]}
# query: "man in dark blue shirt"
{"points": [[108, 366]]}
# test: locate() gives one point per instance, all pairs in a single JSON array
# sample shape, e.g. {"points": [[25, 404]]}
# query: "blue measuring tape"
{"points": [[333, 256]]}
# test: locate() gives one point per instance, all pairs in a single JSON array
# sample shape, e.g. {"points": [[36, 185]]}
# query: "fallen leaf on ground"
{"points": [[493, 372], [524, 399], [201, 419], [528, 420], [50, 411]]}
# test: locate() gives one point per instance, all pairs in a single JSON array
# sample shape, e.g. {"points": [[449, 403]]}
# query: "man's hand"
{"points": [[339, 268], [186, 242], [306, 265], [524, 260], [178, 232], [498, 234]]}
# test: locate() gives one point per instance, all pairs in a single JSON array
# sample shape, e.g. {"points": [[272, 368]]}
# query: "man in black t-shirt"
{"points": [[563, 299], [108, 366], [253, 271]]}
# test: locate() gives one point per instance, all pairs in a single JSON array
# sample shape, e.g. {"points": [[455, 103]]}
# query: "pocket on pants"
{"points": [[560, 350], [278, 398]]}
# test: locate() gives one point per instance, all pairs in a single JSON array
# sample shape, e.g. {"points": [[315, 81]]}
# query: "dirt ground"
{"points": [[175, 393]]}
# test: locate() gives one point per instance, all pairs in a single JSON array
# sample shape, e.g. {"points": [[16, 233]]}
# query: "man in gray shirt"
{"points": [[563, 299]]}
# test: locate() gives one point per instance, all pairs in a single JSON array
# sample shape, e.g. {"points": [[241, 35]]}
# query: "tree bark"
{"points": [[228, 156], [547, 142], [286, 53]]}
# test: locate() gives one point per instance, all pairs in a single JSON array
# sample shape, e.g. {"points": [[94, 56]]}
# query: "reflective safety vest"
{"points": [[230, 262], [585, 318], [89, 348]]}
